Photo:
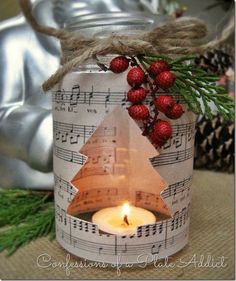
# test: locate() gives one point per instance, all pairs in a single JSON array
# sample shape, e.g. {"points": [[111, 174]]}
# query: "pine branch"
{"points": [[196, 85], [26, 216], [35, 226], [17, 204]]}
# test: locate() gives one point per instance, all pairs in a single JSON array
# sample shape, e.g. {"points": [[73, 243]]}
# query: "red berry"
{"points": [[119, 64], [157, 67], [175, 112], [138, 111], [165, 79], [136, 76], [162, 131], [178, 13], [164, 103], [136, 95], [157, 141]]}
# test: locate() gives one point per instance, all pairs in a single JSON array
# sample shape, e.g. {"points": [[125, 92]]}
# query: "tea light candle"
{"points": [[122, 220]]}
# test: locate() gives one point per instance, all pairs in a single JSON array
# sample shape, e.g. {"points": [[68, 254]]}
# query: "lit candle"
{"points": [[122, 220]]}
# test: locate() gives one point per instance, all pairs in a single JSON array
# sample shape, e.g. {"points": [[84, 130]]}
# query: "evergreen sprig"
{"points": [[197, 87], [24, 216]]}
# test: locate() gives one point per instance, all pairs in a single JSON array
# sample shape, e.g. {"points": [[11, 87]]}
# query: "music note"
{"points": [[74, 99], [59, 184], [74, 139], [154, 229], [57, 136], [177, 156], [168, 144], [115, 246], [76, 90], [58, 211], [124, 249], [123, 101], [155, 249], [74, 224], [178, 140], [177, 222], [107, 98], [174, 192], [180, 219], [71, 126], [184, 212], [189, 133], [172, 224], [147, 230], [95, 160], [64, 137], [59, 96], [139, 232], [64, 216], [90, 96], [93, 228], [71, 156], [100, 250]]}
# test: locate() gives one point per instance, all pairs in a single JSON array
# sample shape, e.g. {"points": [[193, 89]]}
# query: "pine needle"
{"points": [[25, 215], [195, 85]]}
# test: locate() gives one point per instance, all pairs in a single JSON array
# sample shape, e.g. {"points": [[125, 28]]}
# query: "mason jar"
{"points": [[89, 156]]}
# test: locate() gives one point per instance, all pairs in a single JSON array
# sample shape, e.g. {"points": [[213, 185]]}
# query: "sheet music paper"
{"points": [[84, 100]]}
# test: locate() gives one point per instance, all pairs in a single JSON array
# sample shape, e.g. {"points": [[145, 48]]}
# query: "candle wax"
{"points": [[111, 220]]}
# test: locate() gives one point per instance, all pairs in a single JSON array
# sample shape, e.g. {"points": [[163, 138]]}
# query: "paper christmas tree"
{"points": [[118, 168]]}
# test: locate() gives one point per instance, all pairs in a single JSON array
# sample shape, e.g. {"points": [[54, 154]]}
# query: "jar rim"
{"points": [[108, 19]]}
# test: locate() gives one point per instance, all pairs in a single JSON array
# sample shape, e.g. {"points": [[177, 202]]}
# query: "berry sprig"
{"points": [[148, 74], [196, 86], [157, 76]]}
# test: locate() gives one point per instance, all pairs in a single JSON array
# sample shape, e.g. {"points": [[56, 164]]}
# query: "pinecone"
{"points": [[225, 4], [217, 61], [214, 144]]}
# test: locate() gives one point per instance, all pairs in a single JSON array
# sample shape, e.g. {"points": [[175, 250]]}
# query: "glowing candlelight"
{"points": [[125, 212], [122, 220]]}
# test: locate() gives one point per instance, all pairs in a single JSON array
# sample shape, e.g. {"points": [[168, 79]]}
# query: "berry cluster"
{"points": [[158, 76]]}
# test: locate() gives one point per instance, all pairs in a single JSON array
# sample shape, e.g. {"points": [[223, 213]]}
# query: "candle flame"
{"points": [[126, 212], [125, 209]]}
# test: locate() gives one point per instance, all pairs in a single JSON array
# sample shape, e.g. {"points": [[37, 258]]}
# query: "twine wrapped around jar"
{"points": [[179, 37]]}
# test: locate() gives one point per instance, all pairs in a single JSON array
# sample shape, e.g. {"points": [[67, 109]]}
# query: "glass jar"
{"points": [[84, 100]]}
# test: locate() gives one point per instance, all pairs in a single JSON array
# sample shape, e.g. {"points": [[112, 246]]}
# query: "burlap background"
{"points": [[211, 233]]}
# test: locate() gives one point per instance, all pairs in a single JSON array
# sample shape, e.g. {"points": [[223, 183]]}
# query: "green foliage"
{"points": [[196, 86], [24, 216]]}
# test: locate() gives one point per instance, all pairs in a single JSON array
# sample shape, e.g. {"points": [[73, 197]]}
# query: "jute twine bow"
{"points": [[179, 37]]}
